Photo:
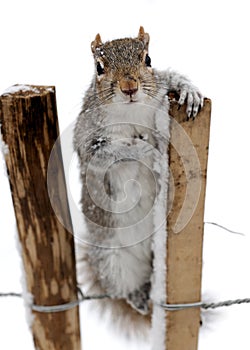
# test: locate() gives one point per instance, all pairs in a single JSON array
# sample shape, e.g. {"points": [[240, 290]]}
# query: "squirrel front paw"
{"points": [[194, 100]]}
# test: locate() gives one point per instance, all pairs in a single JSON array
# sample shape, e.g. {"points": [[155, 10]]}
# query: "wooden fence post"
{"points": [[188, 156], [29, 124]]}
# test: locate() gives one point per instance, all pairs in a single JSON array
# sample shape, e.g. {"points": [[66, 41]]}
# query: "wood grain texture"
{"points": [[28, 116], [188, 155]]}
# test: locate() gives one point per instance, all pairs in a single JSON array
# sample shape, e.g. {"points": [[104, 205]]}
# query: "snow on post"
{"points": [[188, 155], [29, 126]]}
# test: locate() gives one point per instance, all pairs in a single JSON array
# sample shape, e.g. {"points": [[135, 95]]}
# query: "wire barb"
{"points": [[225, 303]]}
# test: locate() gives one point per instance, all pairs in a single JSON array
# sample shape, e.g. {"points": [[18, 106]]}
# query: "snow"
{"points": [[3, 147], [217, 58], [4, 150], [158, 292], [19, 88], [27, 297]]}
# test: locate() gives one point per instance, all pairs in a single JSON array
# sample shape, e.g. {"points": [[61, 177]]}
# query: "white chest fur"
{"points": [[134, 187]]}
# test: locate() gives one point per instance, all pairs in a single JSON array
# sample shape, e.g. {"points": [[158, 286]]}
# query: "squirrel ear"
{"points": [[143, 37], [96, 43]]}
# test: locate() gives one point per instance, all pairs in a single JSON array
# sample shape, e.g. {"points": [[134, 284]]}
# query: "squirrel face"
{"points": [[123, 68]]}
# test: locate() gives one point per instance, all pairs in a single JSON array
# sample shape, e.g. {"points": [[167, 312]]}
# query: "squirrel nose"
{"points": [[129, 86]]}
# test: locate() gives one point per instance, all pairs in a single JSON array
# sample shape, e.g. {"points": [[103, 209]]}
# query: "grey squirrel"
{"points": [[116, 137]]}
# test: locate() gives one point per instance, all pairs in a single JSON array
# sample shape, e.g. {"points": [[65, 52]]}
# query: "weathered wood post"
{"points": [[29, 124], [188, 156]]}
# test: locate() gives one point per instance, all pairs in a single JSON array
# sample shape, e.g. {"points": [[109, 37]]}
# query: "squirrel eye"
{"points": [[99, 68], [148, 60]]}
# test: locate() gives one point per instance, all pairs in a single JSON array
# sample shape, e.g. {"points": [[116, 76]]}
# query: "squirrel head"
{"points": [[123, 64]]}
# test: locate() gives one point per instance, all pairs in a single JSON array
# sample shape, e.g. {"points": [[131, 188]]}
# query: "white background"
{"points": [[48, 43]]}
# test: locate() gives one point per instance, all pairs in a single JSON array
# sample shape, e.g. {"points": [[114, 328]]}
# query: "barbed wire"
{"points": [[168, 307], [205, 306], [224, 228]]}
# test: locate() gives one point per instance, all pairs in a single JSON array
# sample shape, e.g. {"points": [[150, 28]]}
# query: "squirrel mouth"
{"points": [[132, 100]]}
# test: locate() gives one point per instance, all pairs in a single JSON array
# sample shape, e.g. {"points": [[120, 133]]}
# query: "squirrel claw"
{"points": [[194, 102]]}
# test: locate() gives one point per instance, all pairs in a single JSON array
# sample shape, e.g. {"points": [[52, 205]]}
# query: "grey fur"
{"points": [[116, 137]]}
